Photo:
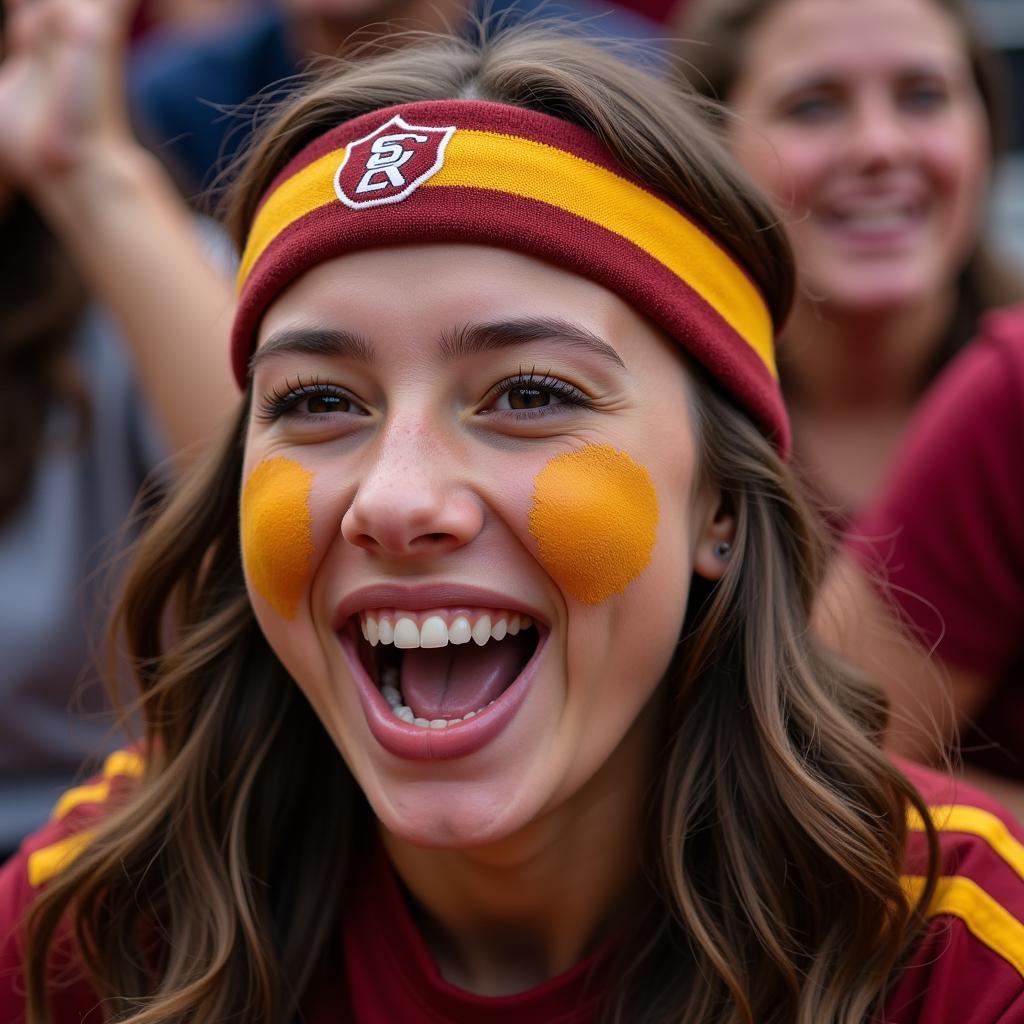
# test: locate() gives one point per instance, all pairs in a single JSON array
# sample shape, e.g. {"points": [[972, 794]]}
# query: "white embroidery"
{"points": [[382, 165]]}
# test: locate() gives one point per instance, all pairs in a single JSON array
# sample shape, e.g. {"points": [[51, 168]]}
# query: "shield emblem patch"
{"points": [[390, 163]]}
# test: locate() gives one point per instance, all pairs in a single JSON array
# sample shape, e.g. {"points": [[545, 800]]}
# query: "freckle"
{"points": [[276, 532], [595, 518]]}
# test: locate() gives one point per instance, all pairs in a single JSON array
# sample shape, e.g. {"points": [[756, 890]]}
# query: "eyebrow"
{"points": [[488, 337], [314, 341], [470, 340]]}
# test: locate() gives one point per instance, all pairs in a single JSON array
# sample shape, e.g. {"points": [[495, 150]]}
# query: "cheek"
{"points": [[276, 532], [594, 517], [785, 164]]}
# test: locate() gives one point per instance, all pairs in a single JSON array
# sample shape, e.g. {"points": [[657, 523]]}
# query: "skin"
{"points": [[426, 475], [862, 120]]}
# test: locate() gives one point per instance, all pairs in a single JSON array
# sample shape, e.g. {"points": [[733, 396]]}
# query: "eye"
{"points": [[531, 394], [810, 108], [310, 400], [923, 97]]}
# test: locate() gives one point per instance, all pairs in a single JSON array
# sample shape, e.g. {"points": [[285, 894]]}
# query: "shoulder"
{"points": [[42, 856], [968, 966]]}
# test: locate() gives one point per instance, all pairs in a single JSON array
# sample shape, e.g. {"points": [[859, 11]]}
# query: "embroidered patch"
{"points": [[389, 164]]}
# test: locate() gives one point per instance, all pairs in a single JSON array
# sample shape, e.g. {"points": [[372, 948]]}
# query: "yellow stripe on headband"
{"points": [[534, 170]]}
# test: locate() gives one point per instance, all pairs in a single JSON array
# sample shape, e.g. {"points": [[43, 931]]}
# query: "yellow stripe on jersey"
{"points": [[120, 763], [43, 864], [986, 919], [535, 170], [976, 822]]}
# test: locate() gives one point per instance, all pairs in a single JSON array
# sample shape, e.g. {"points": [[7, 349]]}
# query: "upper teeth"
{"points": [[407, 630]]}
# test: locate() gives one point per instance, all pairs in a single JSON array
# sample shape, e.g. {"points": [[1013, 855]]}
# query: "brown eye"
{"points": [[528, 398], [317, 405]]}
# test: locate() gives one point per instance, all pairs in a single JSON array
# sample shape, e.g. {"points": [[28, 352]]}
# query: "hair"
{"points": [[41, 303], [714, 53], [777, 829]]}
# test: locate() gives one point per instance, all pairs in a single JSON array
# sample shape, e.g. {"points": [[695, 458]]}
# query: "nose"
{"points": [[879, 137], [410, 500]]}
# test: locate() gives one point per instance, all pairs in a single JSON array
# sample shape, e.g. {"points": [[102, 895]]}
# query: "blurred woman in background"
{"points": [[873, 126]]}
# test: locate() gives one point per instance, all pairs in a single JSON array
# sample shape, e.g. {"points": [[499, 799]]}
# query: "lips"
{"points": [[439, 681]]}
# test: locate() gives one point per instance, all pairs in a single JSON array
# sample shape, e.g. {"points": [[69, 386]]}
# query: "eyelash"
{"points": [[565, 391], [277, 403]]}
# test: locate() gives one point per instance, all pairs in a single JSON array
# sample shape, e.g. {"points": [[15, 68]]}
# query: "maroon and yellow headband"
{"points": [[475, 171]]}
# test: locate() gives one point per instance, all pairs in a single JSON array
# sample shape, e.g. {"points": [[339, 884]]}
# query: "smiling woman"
{"points": [[872, 125], [475, 665]]}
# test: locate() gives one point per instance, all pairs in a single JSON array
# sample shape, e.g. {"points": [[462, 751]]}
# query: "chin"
{"points": [[881, 292], [468, 815]]}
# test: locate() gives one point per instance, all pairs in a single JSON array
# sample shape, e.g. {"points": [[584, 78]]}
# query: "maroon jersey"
{"points": [[947, 532], [967, 969]]}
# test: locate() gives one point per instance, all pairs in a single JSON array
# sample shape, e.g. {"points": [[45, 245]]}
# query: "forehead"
{"points": [[853, 36], [405, 297]]}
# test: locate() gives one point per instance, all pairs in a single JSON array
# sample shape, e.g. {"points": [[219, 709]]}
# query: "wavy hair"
{"points": [[777, 829]]}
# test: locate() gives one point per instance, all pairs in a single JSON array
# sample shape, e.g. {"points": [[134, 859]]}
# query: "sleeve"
{"points": [[20, 878], [947, 536], [968, 965], [43, 855]]}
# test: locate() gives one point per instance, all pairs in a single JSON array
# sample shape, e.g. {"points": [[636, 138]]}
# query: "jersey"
{"points": [[967, 968]]}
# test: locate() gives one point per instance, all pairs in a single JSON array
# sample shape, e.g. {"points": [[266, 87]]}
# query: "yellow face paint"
{"points": [[594, 517], [277, 543]]}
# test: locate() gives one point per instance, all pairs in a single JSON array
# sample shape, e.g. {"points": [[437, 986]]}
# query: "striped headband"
{"points": [[492, 174]]}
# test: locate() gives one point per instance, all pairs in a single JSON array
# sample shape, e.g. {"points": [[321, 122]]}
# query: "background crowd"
{"points": [[884, 132]]}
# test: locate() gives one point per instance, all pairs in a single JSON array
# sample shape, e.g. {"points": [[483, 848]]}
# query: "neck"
{"points": [[843, 365], [508, 916]]}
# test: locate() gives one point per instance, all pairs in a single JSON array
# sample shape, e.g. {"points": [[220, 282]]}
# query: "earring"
{"points": [[723, 551]]}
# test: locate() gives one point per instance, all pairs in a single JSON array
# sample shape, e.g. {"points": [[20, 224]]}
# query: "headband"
{"points": [[476, 171]]}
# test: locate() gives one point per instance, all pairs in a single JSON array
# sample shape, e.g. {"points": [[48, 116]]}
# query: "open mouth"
{"points": [[440, 668]]}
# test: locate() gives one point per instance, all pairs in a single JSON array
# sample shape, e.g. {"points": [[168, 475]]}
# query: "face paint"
{"points": [[594, 517], [277, 543]]}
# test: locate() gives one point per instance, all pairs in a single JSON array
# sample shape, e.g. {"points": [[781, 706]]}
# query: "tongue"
{"points": [[448, 682]]}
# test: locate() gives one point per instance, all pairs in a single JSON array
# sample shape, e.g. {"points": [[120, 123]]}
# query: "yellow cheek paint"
{"points": [[594, 517], [277, 542]]}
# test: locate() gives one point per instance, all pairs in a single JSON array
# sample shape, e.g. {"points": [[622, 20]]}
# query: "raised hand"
{"points": [[61, 85]]}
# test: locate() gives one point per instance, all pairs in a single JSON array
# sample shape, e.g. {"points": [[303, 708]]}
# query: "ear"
{"points": [[715, 540]]}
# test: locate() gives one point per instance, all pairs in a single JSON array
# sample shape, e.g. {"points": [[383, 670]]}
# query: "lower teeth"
{"points": [[393, 696]]}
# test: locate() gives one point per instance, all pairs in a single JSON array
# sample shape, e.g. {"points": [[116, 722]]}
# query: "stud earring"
{"points": [[723, 551]]}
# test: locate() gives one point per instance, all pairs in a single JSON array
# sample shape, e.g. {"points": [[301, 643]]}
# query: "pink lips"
{"points": [[413, 742]]}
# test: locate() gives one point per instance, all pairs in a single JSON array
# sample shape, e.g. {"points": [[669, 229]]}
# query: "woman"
{"points": [[475, 665], [873, 126]]}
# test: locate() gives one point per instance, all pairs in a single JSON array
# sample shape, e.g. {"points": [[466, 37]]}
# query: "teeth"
{"points": [[460, 632], [482, 630], [436, 631], [407, 635], [406, 713]]}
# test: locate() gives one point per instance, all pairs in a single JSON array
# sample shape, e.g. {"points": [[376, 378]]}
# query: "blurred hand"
{"points": [[61, 86]]}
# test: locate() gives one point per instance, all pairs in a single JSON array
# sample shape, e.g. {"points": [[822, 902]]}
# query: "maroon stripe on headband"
{"points": [[443, 214], [467, 115]]}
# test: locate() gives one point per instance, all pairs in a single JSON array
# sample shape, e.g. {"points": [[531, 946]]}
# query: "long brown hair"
{"points": [[777, 830], [715, 39]]}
